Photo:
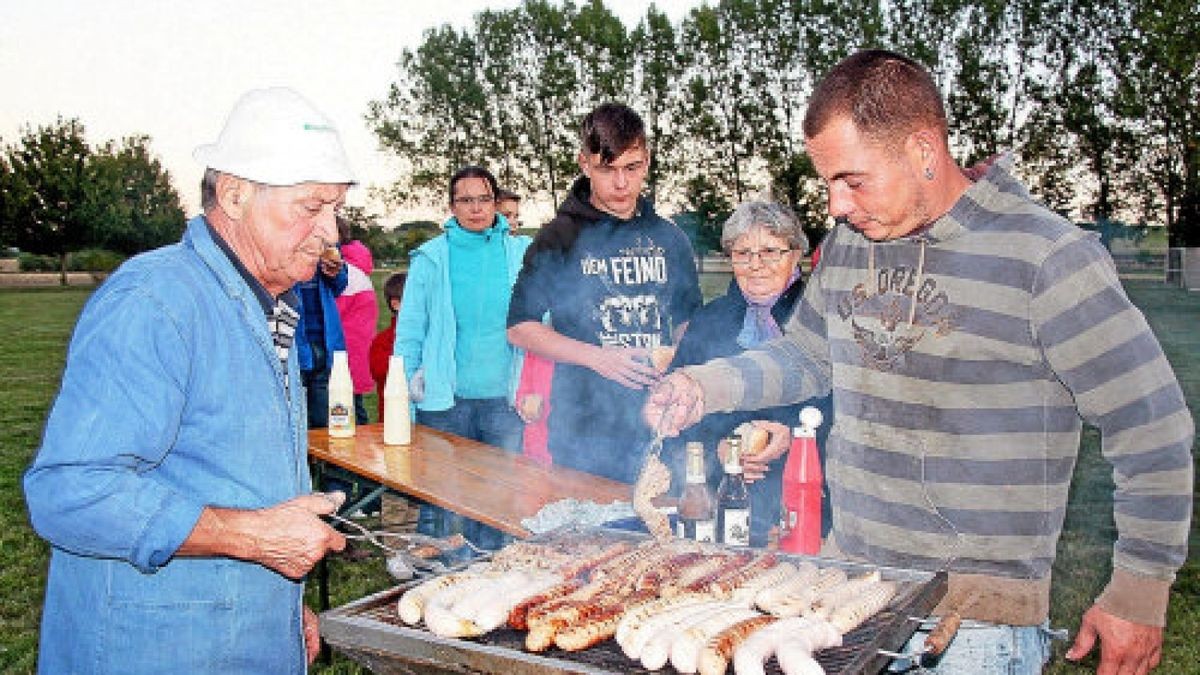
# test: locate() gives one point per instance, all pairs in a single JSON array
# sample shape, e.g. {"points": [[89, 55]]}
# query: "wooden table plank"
{"points": [[476, 480]]}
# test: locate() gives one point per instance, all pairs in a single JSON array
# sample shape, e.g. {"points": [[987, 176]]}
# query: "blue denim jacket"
{"points": [[172, 399]]}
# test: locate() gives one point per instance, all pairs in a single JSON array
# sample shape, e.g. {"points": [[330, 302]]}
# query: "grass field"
{"points": [[37, 324]]}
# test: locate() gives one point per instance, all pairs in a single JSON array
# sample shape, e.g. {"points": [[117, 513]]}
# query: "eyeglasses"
{"points": [[481, 199], [767, 256]]}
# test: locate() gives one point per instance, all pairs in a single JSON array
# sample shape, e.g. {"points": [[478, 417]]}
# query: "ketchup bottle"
{"points": [[802, 488]]}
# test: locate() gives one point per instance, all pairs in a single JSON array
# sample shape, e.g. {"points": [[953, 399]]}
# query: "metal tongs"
{"points": [[654, 448], [407, 552], [938, 638]]}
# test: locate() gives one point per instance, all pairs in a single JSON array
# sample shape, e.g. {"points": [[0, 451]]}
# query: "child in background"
{"points": [[360, 312], [381, 346]]}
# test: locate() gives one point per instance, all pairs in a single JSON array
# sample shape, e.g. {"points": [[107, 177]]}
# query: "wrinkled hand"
{"points": [[312, 635], [627, 366], [290, 537], [1125, 647], [675, 403], [754, 467]]}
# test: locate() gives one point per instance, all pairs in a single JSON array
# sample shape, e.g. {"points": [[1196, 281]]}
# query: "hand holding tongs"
{"points": [[411, 551], [674, 394]]}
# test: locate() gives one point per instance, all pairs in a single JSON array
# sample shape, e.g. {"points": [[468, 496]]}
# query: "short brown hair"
{"points": [[885, 94], [611, 129], [394, 287]]}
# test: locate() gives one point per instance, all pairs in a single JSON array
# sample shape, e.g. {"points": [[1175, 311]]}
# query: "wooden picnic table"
{"points": [[476, 480]]}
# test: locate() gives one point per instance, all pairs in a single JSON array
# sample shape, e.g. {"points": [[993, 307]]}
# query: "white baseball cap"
{"points": [[276, 137]]}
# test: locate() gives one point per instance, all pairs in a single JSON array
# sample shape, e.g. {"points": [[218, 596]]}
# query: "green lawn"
{"points": [[37, 324]]}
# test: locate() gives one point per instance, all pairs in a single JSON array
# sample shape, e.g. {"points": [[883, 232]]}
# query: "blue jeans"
{"points": [[985, 649], [488, 420], [316, 387]]}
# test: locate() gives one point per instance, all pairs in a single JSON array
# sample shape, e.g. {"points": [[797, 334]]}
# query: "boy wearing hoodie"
{"points": [[616, 281]]}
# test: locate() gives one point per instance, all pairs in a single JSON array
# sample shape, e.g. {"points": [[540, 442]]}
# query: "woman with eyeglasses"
{"points": [[451, 332], [765, 244]]}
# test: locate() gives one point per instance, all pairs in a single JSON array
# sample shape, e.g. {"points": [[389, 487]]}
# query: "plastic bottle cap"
{"points": [[810, 418]]}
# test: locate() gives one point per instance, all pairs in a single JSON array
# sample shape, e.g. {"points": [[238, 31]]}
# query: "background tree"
{"points": [[49, 184], [496, 46], [708, 209], [1096, 99], [548, 78], [130, 204], [657, 69], [434, 119], [61, 196], [717, 117], [1158, 56], [7, 200], [601, 55]]}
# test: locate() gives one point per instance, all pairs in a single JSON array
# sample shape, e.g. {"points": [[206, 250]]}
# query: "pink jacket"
{"points": [[359, 311]]}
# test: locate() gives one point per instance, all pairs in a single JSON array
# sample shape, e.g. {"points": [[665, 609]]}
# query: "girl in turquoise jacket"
{"points": [[451, 329]]}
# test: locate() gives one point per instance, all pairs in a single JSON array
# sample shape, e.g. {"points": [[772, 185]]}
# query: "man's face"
{"points": [[876, 189], [288, 228], [511, 210], [616, 185], [473, 204]]}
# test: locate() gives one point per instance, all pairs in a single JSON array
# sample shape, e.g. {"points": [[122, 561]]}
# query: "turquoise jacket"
{"points": [[425, 332], [172, 399]]}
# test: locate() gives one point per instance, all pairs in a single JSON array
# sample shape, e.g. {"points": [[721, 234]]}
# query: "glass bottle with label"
{"points": [[341, 397], [697, 505], [733, 500]]}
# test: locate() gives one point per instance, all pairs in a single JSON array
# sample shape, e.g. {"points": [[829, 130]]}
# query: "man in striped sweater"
{"points": [[966, 332]]}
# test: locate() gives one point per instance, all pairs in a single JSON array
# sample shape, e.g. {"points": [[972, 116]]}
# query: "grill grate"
{"points": [[371, 631]]}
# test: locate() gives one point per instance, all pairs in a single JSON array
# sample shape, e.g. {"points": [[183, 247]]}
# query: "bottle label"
{"points": [[706, 530], [737, 527], [341, 418]]}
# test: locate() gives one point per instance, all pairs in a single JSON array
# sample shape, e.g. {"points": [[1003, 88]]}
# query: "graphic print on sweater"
{"points": [[889, 318], [630, 314]]}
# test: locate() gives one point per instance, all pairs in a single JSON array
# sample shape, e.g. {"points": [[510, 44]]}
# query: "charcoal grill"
{"points": [[370, 632]]}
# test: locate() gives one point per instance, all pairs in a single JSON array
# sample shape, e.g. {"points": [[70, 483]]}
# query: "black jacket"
{"points": [[712, 334]]}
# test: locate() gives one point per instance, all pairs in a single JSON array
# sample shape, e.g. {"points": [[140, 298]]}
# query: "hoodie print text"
{"points": [[631, 313], [894, 312]]}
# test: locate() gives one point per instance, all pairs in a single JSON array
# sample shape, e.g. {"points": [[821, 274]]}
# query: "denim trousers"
{"points": [[487, 420], [981, 648]]}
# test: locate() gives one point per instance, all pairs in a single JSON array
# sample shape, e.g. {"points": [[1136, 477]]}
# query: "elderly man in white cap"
{"points": [[172, 481]]}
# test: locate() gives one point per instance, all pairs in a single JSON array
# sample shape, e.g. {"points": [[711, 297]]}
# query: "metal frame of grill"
{"points": [[370, 632]]}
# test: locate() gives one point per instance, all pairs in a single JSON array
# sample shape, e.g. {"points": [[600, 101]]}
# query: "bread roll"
{"points": [[756, 440], [530, 407]]}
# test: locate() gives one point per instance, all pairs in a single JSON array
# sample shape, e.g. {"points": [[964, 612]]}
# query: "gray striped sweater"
{"points": [[962, 359]]}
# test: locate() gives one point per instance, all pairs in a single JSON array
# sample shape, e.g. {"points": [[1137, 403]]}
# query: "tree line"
{"points": [[1096, 98], [59, 195]]}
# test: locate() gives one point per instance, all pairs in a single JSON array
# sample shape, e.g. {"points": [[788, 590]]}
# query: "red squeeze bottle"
{"points": [[802, 488]]}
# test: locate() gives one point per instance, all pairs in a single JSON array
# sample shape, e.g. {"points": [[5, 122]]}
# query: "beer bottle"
{"points": [[733, 500], [697, 506]]}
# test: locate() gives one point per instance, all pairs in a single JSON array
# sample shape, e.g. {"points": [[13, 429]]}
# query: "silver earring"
{"points": [[928, 173]]}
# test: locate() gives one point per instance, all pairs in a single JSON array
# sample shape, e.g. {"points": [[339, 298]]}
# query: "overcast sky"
{"points": [[172, 70]]}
